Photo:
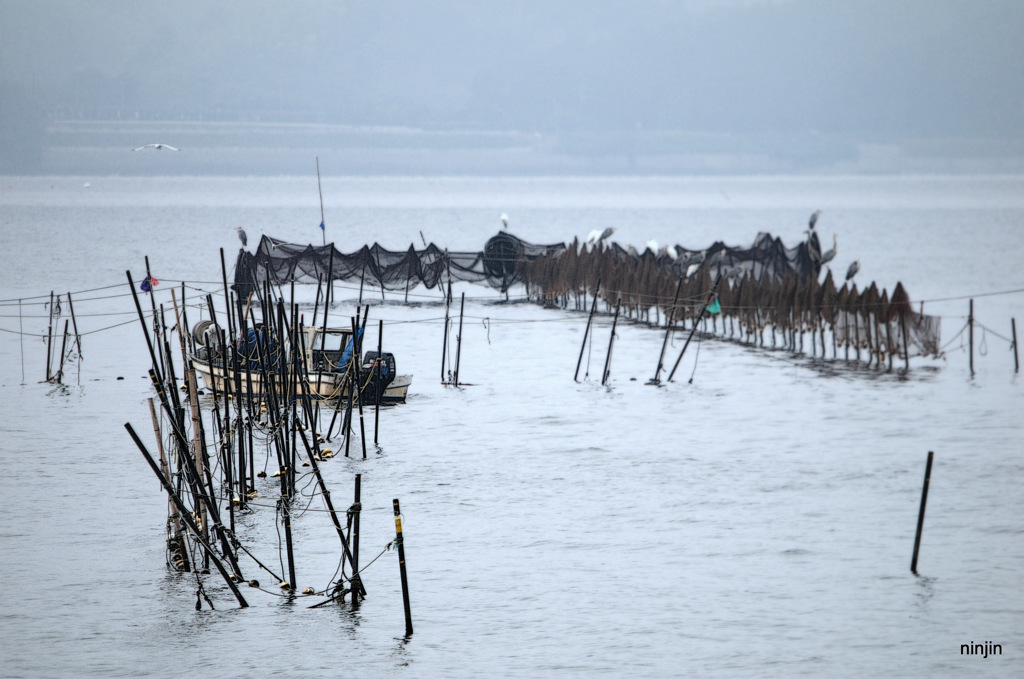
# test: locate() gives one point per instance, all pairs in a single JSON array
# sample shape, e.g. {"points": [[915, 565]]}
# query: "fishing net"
{"points": [[499, 265]]}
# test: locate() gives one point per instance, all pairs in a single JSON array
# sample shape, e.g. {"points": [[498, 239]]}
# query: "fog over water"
{"points": [[580, 87]]}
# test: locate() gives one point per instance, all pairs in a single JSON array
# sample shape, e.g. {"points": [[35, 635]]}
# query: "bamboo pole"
{"points": [[611, 340], [400, 541], [970, 326], [668, 331], [1013, 330], [920, 513], [586, 332], [183, 510], [458, 343]]}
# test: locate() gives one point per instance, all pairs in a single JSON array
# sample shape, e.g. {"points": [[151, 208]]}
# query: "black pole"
{"points": [[696, 324], [354, 539], [1016, 362], [444, 345], [668, 331], [74, 324], [186, 516], [586, 333], [920, 514], [611, 340], [63, 348], [399, 540], [458, 340], [379, 390], [49, 340], [145, 330], [970, 324]]}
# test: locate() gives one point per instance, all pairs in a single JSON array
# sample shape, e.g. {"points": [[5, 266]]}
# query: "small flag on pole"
{"points": [[714, 307], [322, 225], [148, 283]]}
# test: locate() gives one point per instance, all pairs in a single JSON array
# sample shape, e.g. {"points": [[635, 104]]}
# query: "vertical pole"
{"points": [[49, 339], [668, 331], [379, 391], [444, 346], [920, 514], [586, 332], [63, 348], [1013, 328], [458, 342], [354, 538], [906, 350], [74, 324], [21, 342], [611, 340], [401, 567], [970, 324]]}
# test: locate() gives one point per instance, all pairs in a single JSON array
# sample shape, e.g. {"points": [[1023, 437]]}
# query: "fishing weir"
{"points": [[766, 295], [267, 410], [282, 395]]}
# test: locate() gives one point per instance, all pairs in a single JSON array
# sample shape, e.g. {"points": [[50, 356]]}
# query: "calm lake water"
{"points": [[757, 521]]}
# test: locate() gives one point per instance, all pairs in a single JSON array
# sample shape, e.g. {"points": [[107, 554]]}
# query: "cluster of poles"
{"points": [[55, 368], [779, 311], [210, 474]]}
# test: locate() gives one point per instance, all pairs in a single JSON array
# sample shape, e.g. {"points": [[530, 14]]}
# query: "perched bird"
{"points": [[852, 271], [829, 255], [593, 236], [158, 147], [504, 220], [652, 245], [814, 220], [241, 236], [692, 269], [670, 250], [606, 234]]}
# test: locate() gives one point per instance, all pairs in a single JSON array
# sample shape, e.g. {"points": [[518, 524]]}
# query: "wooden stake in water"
{"points": [[399, 541], [920, 514]]}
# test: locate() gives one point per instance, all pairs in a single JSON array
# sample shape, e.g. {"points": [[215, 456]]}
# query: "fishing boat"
{"points": [[328, 360]]}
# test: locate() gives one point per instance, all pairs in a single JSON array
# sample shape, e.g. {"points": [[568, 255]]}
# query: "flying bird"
{"points": [[158, 147], [241, 236], [852, 271], [814, 220]]}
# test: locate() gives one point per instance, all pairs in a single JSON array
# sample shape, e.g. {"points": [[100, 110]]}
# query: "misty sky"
{"points": [[868, 70]]}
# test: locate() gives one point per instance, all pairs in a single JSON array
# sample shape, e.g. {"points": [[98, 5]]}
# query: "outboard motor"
{"points": [[382, 376], [206, 338]]}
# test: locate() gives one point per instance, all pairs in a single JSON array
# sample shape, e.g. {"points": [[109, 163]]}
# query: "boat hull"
{"points": [[321, 385]]}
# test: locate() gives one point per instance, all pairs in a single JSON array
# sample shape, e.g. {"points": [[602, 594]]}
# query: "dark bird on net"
{"points": [[852, 271], [241, 236], [814, 220], [158, 147]]}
